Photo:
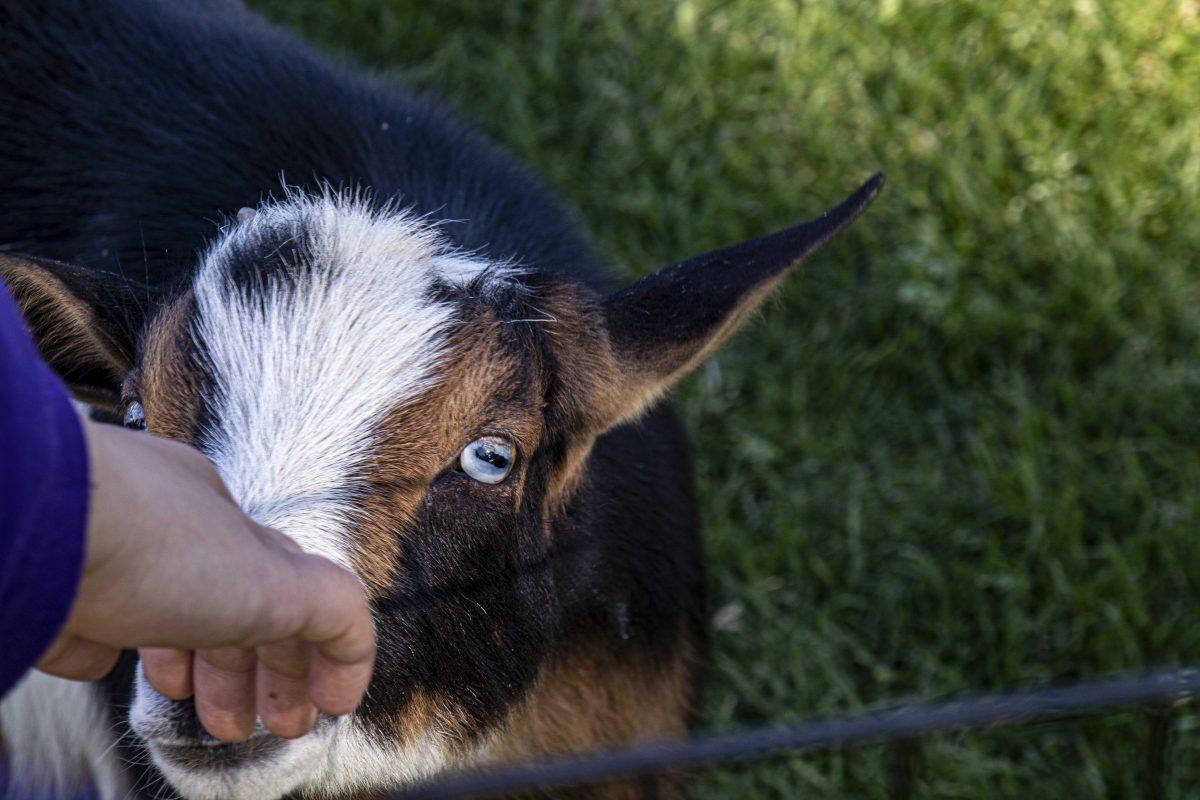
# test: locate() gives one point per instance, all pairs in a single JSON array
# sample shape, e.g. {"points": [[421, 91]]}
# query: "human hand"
{"points": [[221, 607]]}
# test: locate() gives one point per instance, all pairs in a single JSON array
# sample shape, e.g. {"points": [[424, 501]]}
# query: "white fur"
{"points": [[59, 739], [306, 370], [150, 717]]}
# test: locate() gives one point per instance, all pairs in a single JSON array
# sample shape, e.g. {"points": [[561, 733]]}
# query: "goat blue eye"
{"points": [[135, 417], [487, 460]]}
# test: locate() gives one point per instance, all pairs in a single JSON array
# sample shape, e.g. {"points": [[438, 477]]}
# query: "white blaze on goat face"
{"points": [[308, 360]]}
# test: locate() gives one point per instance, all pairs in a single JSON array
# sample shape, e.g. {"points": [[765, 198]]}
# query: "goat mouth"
{"points": [[211, 754]]}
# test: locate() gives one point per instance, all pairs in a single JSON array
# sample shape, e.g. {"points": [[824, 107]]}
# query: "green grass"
{"points": [[960, 451]]}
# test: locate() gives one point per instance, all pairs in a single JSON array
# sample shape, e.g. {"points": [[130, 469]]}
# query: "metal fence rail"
{"points": [[903, 725]]}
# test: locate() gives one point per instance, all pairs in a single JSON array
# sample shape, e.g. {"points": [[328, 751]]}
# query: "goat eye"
{"points": [[487, 460], [135, 417]]}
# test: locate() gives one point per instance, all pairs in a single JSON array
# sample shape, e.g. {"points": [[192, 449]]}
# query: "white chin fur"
{"points": [[273, 777], [341, 758]]}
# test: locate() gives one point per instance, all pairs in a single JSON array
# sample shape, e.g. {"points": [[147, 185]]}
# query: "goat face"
{"points": [[383, 403], [423, 418]]}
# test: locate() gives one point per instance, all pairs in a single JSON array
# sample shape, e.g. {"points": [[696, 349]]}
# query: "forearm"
{"points": [[43, 502]]}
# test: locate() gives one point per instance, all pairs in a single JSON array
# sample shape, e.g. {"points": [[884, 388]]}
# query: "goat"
{"points": [[406, 357]]}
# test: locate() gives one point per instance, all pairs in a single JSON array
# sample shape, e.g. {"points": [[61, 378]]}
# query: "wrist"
{"points": [[108, 522], [99, 544]]}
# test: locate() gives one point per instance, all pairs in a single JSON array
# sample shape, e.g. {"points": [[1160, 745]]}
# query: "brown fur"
{"points": [[166, 385], [424, 437], [592, 699], [65, 327], [586, 371]]}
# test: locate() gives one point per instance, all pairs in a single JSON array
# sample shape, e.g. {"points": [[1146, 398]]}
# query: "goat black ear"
{"points": [[84, 321], [662, 326]]}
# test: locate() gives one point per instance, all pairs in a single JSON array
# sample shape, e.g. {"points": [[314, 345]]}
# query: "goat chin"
{"points": [[59, 741], [266, 778], [337, 758], [200, 767]]}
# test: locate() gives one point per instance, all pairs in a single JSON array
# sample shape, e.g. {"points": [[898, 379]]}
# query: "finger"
{"points": [[319, 602], [339, 624], [281, 688], [223, 679], [168, 670], [79, 659], [336, 687], [343, 635]]}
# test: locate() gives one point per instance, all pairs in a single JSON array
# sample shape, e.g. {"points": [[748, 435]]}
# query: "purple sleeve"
{"points": [[43, 500]]}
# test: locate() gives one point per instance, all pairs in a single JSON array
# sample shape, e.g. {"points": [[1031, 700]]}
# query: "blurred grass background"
{"points": [[960, 451]]}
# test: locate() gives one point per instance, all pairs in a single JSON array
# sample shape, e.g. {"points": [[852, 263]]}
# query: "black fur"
{"points": [[132, 126], [681, 306]]}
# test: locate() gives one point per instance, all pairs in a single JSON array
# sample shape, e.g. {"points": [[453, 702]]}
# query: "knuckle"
{"points": [[227, 724], [230, 661], [289, 661], [288, 724]]}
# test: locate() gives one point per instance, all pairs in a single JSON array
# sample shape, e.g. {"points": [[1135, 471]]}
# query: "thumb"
{"points": [[78, 659]]}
